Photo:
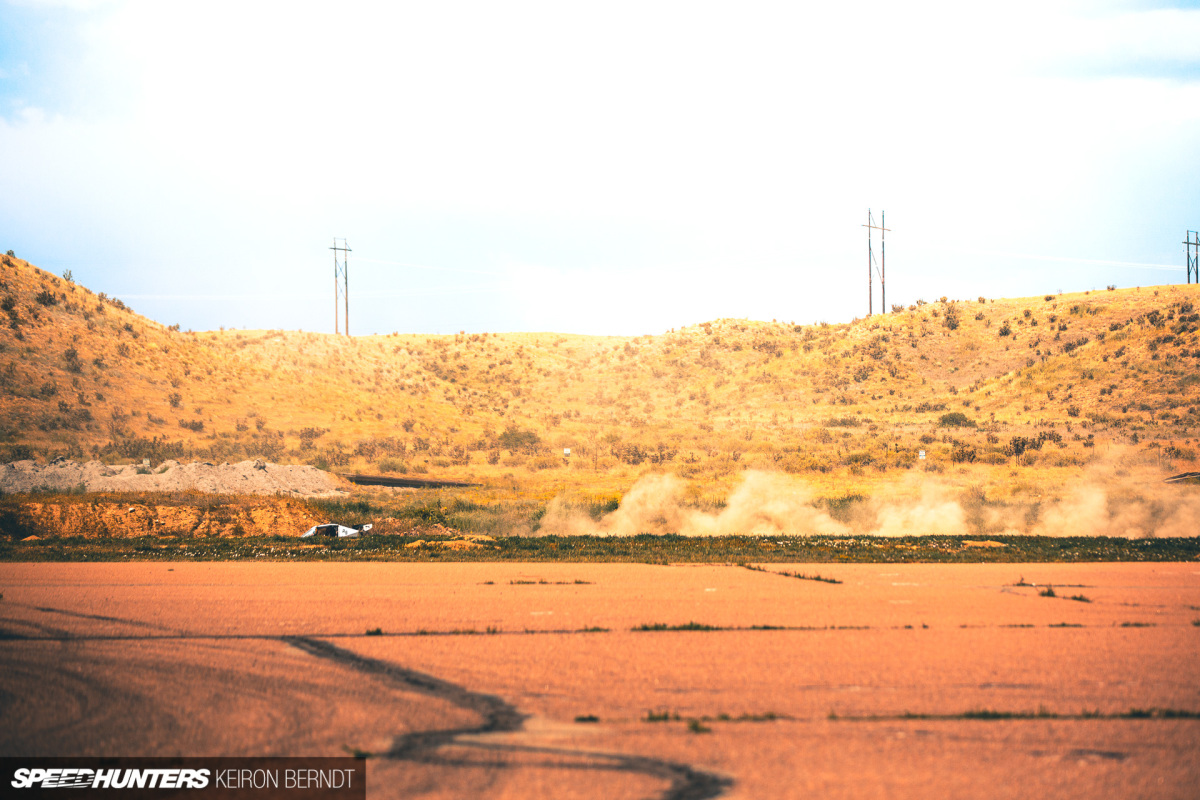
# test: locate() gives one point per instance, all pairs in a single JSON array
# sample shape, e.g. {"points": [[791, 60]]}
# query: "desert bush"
{"points": [[71, 356], [334, 455], [1069, 346], [542, 462], [374, 448], [136, 448], [516, 440], [956, 419], [1020, 445], [309, 436], [961, 454], [46, 298], [860, 458], [628, 453]]}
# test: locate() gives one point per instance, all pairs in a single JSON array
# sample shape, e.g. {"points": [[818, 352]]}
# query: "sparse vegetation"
{"points": [[800, 575], [846, 407], [687, 626]]}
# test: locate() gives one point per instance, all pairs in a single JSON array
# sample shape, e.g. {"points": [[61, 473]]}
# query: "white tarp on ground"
{"points": [[245, 477]]}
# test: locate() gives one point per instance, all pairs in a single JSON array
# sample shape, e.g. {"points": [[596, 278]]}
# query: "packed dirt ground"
{"points": [[613, 681]]}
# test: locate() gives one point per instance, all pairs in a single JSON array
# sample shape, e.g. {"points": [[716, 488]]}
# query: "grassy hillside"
{"points": [[1009, 395]]}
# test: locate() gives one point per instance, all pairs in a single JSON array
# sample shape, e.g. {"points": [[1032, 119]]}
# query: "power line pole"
{"points": [[341, 268], [883, 309], [870, 226], [1193, 255]]}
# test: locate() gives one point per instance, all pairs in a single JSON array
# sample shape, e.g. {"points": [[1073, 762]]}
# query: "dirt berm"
{"points": [[208, 516], [197, 499], [246, 477]]}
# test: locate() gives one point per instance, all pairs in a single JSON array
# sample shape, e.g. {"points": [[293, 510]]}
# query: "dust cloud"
{"points": [[1103, 503], [763, 504]]}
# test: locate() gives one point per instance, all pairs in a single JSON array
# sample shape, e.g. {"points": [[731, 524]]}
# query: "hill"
{"points": [[1006, 397]]}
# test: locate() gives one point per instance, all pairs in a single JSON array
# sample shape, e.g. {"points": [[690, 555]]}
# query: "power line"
{"points": [[431, 268], [1067, 259]]}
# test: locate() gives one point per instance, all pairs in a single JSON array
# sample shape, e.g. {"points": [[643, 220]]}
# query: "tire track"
{"points": [[497, 716]]}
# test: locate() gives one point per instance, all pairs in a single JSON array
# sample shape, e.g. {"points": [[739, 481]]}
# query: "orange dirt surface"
{"points": [[479, 673]]}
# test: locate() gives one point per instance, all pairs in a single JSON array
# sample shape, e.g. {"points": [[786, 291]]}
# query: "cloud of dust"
{"points": [[935, 513], [763, 504], [1120, 496]]}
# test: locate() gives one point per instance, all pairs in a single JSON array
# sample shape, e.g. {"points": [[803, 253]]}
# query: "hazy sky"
{"points": [[605, 167]]}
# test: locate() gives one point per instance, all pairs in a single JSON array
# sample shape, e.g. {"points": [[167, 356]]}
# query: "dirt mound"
{"points": [[245, 477]]}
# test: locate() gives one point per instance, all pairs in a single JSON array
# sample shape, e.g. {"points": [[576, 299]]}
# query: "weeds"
{"points": [[687, 626], [384, 544], [543, 582], [375, 632], [800, 575]]}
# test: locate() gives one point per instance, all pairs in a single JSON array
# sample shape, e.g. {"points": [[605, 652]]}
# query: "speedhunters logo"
{"points": [[200, 778], [80, 778]]}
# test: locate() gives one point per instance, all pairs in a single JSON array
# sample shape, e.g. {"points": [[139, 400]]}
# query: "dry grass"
{"points": [[1079, 379]]}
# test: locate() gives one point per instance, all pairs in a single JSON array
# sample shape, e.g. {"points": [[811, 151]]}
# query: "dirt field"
{"points": [[900, 681]]}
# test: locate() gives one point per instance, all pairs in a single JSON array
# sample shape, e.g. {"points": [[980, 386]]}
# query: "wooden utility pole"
{"points": [[870, 226], [341, 268], [1193, 255]]}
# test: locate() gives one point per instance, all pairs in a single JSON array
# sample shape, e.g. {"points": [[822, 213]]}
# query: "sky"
{"points": [[616, 168]]}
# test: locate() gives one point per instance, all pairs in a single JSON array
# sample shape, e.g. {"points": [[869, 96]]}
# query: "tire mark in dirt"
{"points": [[498, 716]]}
